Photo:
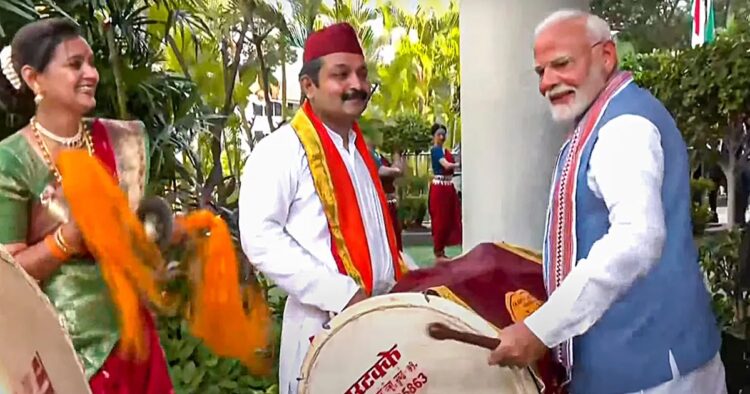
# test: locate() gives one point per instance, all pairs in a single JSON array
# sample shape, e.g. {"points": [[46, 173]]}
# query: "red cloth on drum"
{"points": [[445, 215], [393, 210], [120, 375], [499, 284]]}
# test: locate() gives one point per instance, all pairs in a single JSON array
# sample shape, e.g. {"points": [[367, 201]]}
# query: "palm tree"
{"points": [[305, 18], [358, 14]]}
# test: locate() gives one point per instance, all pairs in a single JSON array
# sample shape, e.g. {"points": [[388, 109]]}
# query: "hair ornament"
{"points": [[6, 64]]}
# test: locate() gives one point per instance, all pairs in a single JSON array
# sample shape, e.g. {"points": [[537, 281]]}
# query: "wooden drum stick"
{"points": [[442, 332]]}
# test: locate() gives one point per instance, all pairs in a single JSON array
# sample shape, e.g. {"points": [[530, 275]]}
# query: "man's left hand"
{"points": [[518, 347]]}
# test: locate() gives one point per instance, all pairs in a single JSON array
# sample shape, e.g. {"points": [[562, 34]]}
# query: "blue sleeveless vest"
{"points": [[627, 350]]}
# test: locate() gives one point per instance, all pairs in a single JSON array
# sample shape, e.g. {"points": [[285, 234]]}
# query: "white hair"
{"points": [[597, 28]]}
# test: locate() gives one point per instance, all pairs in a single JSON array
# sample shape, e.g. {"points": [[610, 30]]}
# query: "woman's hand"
{"points": [[73, 238], [71, 234]]}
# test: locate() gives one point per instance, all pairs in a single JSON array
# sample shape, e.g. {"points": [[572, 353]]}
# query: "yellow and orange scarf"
{"points": [[336, 191]]}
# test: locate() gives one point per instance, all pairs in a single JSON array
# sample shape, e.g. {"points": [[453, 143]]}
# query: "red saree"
{"points": [[445, 211]]}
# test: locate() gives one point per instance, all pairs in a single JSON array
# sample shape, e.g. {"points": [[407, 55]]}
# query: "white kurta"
{"points": [[285, 235], [626, 170]]}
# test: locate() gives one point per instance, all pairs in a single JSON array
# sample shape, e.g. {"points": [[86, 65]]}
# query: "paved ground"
{"points": [[422, 254]]}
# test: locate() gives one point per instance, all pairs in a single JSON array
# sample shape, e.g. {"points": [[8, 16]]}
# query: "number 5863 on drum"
{"points": [[417, 383]]}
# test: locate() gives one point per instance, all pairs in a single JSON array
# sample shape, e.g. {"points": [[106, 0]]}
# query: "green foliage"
{"points": [[407, 134], [424, 75], [705, 88], [414, 185], [719, 258], [701, 212], [358, 14], [647, 24], [412, 210], [412, 206], [194, 369]]}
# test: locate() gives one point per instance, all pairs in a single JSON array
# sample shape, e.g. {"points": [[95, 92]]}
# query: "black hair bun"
{"points": [[33, 45]]}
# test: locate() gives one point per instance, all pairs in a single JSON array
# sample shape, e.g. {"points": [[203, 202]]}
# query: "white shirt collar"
{"points": [[337, 138]]}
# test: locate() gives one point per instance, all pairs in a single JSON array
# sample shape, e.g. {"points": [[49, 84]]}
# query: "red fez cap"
{"points": [[337, 38]]}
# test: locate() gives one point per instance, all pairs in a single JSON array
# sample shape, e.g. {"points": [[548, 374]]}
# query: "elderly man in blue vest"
{"points": [[628, 310]]}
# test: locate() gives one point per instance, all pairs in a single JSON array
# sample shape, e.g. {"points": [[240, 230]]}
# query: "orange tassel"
{"points": [[112, 234], [128, 259], [218, 315]]}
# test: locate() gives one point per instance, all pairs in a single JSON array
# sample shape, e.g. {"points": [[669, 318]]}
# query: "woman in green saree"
{"points": [[51, 66]]}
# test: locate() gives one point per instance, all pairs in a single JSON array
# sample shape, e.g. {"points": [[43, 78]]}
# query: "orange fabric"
{"points": [[350, 218], [130, 263], [218, 316], [110, 230]]}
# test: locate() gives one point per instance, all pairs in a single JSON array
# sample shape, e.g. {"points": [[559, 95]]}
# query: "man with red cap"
{"points": [[313, 215]]}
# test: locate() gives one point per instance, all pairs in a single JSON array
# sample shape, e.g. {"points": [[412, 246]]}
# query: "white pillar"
{"points": [[509, 142]]}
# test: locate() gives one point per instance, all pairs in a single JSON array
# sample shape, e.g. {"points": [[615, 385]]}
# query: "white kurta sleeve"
{"points": [[269, 185], [626, 170]]}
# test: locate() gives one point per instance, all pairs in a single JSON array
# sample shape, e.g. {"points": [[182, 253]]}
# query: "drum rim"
{"points": [[435, 302], [7, 258]]}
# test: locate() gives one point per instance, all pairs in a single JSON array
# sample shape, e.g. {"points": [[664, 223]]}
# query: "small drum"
{"points": [[381, 346], [36, 354]]}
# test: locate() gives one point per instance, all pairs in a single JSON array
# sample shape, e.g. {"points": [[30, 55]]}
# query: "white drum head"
{"points": [[381, 346], [36, 353]]}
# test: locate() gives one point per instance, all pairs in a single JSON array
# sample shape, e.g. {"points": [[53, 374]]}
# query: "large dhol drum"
{"points": [[502, 283], [36, 354], [381, 346]]}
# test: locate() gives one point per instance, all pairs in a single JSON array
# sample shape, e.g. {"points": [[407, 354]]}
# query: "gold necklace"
{"points": [[47, 155], [75, 141]]}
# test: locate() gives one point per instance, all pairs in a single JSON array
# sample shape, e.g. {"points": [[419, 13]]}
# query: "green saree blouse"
{"points": [[77, 290]]}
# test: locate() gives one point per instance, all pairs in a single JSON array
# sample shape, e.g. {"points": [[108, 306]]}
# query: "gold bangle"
{"points": [[60, 241], [55, 248]]}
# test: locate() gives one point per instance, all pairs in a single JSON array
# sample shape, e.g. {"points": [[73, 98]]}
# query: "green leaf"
{"points": [[187, 349], [228, 384], [21, 8], [188, 373]]}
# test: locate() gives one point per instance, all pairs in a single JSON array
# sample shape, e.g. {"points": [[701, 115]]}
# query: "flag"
{"points": [[703, 22]]}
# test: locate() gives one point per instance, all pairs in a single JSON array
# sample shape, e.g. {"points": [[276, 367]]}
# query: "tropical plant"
{"points": [[647, 24], [705, 89], [407, 133], [358, 14], [423, 77]]}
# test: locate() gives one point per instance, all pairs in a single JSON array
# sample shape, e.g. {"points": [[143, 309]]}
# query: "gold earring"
{"points": [[38, 96]]}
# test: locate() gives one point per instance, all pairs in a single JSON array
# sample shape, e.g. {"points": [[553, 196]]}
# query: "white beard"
{"points": [[564, 113], [584, 95]]}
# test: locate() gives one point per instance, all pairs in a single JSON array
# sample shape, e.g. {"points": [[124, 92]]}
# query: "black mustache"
{"points": [[355, 94]]}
